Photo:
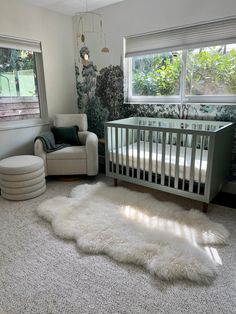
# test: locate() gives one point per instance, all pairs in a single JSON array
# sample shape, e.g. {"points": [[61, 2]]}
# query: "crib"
{"points": [[190, 158]]}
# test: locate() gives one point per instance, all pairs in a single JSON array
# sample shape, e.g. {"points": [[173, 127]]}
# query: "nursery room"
{"points": [[117, 156]]}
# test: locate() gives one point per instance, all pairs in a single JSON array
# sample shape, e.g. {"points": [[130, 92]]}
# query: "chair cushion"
{"points": [[67, 135], [72, 152], [79, 119]]}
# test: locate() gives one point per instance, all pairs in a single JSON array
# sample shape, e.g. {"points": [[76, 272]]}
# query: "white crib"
{"points": [[190, 158]]}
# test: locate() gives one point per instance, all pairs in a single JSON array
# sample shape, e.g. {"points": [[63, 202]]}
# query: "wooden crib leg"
{"points": [[204, 207], [115, 182]]}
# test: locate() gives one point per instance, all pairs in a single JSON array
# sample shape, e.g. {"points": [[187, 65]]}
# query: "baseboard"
{"points": [[230, 187]]}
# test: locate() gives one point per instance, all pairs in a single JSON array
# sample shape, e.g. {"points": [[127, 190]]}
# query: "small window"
{"points": [[211, 71], [157, 74], [22, 89]]}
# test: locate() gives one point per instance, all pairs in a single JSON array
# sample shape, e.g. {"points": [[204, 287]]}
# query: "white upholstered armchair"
{"points": [[71, 160]]}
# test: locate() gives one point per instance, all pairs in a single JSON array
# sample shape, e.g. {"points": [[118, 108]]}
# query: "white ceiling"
{"points": [[72, 6]]}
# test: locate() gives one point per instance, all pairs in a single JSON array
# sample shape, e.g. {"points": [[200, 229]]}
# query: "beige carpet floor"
{"points": [[40, 273]]}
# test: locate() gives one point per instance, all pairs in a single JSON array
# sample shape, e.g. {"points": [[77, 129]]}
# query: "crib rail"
{"points": [[173, 156]]}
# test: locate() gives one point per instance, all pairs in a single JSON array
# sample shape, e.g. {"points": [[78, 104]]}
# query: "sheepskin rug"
{"points": [[134, 227]]}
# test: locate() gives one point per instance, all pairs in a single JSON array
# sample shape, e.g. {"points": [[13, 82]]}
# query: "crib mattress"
{"points": [[200, 163]]}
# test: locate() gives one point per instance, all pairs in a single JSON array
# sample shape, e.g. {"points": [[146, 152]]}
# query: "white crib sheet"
{"points": [[170, 163]]}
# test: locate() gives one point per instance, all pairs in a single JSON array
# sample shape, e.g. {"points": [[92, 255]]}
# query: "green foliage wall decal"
{"points": [[109, 89], [88, 102]]}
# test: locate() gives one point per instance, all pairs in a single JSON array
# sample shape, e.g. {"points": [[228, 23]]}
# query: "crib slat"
{"points": [[163, 158], [122, 158], [144, 153], [150, 156], [157, 140], [200, 166], [192, 167], [138, 154], [185, 154], [112, 152], [117, 151], [107, 154], [210, 144], [127, 151], [177, 161], [132, 139], [170, 137]]}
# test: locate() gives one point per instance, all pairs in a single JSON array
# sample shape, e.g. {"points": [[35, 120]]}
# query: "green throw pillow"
{"points": [[66, 135]]}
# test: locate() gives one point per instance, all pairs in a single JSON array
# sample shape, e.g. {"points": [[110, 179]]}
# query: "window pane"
{"points": [[27, 83], [157, 75], [211, 71], [18, 85]]}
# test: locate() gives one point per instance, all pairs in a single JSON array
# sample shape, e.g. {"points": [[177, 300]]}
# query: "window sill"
{"points": [[136, 102], [22, 124]]}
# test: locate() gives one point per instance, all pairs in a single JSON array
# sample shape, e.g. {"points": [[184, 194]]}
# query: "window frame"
{"points": [[182, 98], [25, 44]]}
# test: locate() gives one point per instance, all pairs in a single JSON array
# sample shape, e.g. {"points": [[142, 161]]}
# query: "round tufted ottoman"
{"points": [[22, 177]]}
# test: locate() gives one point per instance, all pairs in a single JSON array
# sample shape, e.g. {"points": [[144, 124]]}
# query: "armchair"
{"points": [[70, 160]]}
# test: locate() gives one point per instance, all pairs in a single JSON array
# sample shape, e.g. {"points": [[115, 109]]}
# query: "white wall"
{"points": [[55, 32], [139, 16]]}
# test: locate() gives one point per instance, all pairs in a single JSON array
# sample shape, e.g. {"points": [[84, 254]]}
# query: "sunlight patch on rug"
{"points": [[134, 227]]}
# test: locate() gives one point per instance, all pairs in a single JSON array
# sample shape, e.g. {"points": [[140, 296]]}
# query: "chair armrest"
{"points": [[39, 151], [90, 140], [83, 136]]}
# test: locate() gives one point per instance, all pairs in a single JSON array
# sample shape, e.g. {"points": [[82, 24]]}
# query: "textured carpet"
{"points": [[41, 273], [134, 227]]}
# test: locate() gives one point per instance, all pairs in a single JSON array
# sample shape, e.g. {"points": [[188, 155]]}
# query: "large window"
{"points": [[189, 64], [22, 90], [202, 74]]}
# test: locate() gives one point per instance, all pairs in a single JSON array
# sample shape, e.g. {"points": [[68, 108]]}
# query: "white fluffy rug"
{"points": [[134, 227]]}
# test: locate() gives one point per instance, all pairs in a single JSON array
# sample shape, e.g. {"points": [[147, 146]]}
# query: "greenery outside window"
{"points": [[157, 75], [205, 74], [22, 87], [211, 71]]}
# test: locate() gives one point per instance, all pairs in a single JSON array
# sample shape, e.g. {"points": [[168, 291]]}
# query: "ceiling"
{"points": [[71, 7]]}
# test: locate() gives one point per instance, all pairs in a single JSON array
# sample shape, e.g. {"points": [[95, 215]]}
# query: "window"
{"points": [[156, 75], [192, 69], [22, 88], [211, 71], [200, 74]]}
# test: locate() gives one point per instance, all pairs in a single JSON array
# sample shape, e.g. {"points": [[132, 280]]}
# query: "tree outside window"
{"points": [[208, 72]]}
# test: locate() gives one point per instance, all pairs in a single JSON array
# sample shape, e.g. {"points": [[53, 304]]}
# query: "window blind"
{"points": [[20, 44], [194, 36]]}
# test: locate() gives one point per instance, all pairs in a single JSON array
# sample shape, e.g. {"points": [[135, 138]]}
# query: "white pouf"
{"points": [[22, 177]]}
